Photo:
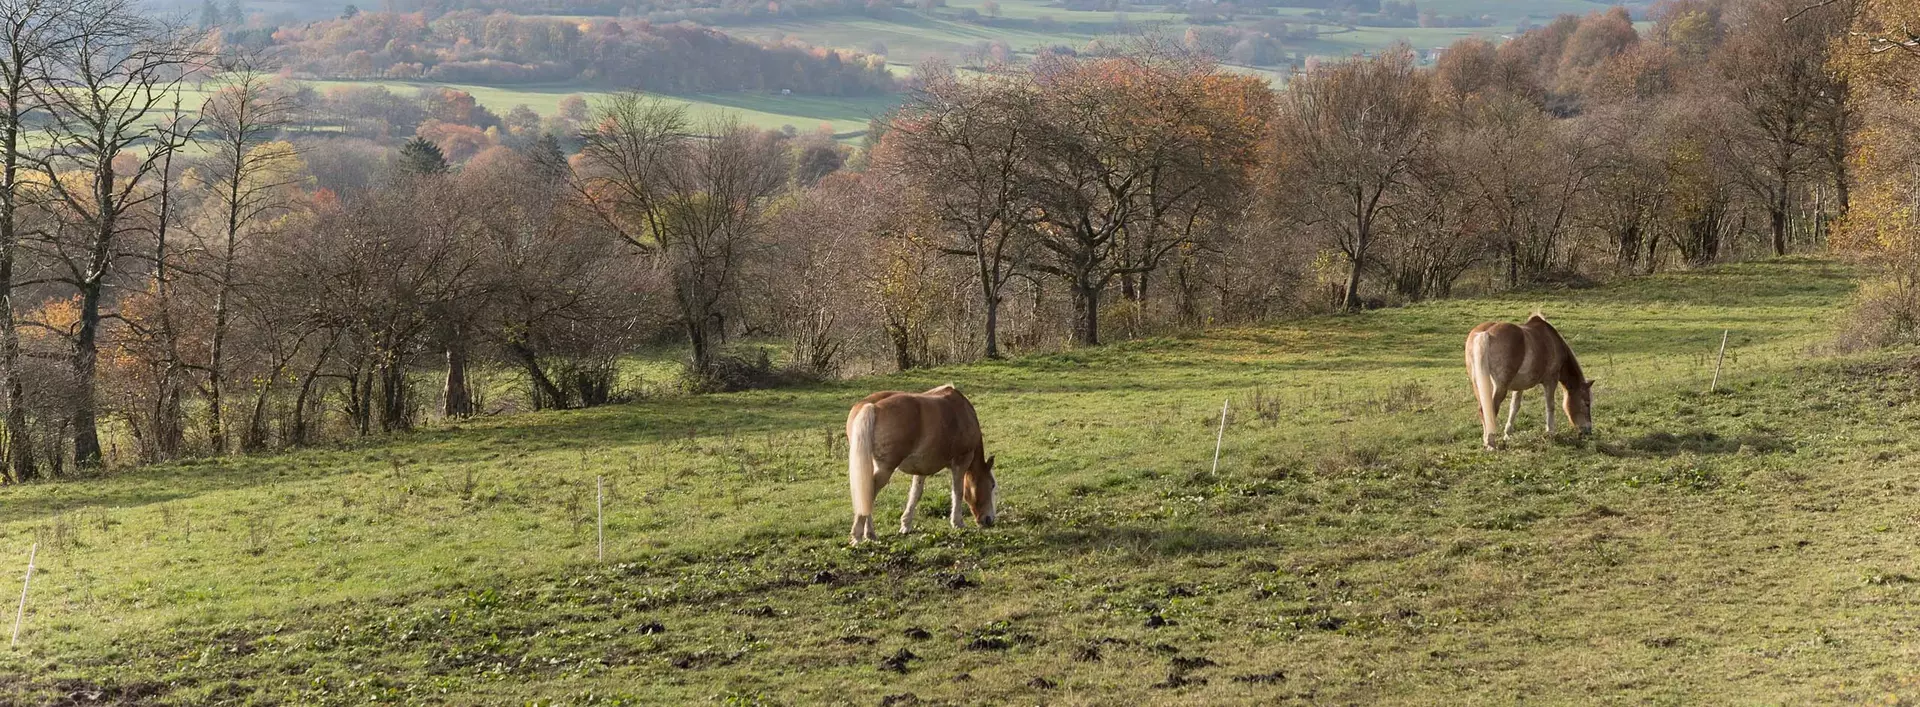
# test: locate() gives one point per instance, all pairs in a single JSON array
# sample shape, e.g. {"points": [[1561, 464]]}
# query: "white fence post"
{"points": [[1716, 363], [21, 614], [1222, 437]]}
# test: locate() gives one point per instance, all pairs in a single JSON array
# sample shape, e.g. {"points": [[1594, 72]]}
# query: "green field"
{"points": [[762, 110], [911, 36], [1355, 546]]}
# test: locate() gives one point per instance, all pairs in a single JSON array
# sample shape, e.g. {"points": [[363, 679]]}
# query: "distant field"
{"points": [[762, 110], [911, 36]]}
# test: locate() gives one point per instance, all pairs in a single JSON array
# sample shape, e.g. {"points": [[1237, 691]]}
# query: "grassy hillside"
{"points": [[1754, 544]]}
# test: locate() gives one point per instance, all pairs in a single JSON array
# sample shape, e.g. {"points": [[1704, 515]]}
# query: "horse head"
{"points": [[979, 490], [1580, 406]]}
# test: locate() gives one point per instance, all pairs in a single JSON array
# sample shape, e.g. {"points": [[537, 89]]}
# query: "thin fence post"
{"points": [[1715, 383], [600, 515], [1222, 437], [21, 614]]}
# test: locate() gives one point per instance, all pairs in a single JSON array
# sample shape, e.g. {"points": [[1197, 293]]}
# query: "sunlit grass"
{"points": [[1355, 546]]}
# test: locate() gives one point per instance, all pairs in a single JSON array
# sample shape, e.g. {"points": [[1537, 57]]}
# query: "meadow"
{"points": [[1355, 544]]}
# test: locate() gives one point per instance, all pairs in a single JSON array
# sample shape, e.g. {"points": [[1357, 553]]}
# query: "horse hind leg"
{"points": [[1510, 411], [1488, 396], [913, 503]]}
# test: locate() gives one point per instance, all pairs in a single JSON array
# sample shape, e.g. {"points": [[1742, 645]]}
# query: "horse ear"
{"points": [[990, 463], [1589, 384]]}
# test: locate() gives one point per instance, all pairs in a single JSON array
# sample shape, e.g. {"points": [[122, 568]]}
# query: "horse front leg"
{"points": [[913, 503], [1549, 396], [953, 511]]}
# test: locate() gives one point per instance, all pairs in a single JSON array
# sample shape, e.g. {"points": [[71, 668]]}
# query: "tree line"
{"points": [[193, 279], [502, 49]]}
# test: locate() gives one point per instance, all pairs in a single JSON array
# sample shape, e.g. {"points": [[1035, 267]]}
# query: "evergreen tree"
{"points": [[546, 152], [421, 156]]}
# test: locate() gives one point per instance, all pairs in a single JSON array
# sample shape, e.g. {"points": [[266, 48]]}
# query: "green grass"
{"points": [[1750, 545]]}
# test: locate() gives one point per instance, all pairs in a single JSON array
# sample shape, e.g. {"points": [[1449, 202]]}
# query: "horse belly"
{"points": [[923, 461]]}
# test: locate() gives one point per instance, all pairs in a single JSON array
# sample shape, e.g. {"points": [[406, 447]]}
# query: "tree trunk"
{"points": [[458, 398], [993, 325], [1777, 217], [19, 445], [256, 437], [902, 338], [19, 438], [1350, 295], [1087, 311], [546, 395], [301, 400], [86, 355], [394, 413], [697, 337], [360, 397]]}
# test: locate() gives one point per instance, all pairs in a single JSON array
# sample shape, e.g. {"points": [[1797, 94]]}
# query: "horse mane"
{"points": [[1572, 366]]}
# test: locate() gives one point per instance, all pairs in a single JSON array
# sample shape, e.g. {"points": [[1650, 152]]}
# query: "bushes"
{"points": [[1888, 315]]}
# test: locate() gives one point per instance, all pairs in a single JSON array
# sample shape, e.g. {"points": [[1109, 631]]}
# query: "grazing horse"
{"points": [[919, 434], [1504, 358]]}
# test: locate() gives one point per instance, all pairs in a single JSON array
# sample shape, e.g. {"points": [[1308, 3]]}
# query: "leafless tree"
{"points": [[33, 33], [696, 203], [248, 179], [963, 144], [107, 94], [1349, 136]]}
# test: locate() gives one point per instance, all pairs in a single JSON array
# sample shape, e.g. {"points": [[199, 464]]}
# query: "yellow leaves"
{"points": [[60, 315], [277, 162]]}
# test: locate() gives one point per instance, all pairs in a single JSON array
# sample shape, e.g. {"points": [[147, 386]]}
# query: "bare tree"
{"points": [[1125, 170], [962, 143], [32, 33], [696, 203], [107, 95], [1782, 90], [248, 179], [1349, 136]]}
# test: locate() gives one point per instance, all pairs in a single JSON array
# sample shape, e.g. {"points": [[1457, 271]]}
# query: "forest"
{"points": [[206, 280], [501, 49]]}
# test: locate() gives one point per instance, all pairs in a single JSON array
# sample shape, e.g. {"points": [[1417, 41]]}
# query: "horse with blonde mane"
{"points": [[918, 434], [1503, 358]]}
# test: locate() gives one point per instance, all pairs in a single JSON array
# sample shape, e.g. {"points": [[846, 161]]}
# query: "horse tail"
{"points": [[860, 459], [1479, 369]]}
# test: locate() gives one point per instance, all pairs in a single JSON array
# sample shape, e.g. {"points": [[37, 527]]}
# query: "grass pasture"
{"points": [[1355, 546]]}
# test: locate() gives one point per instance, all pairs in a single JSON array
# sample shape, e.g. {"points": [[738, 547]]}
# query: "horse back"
{"points": [[922, 433], [1507, 353]]}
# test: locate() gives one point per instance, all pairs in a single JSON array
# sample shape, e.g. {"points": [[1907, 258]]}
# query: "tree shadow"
{"points": [[1154, 540], [1668, 444]]}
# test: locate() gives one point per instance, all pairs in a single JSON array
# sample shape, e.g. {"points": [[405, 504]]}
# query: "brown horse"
{"points": [[919, 434], [1504, 358]]}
